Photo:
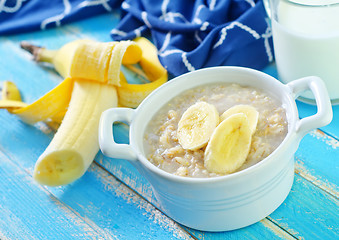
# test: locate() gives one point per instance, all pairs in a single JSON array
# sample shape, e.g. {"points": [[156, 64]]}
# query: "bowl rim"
{"points": [[293, 115]]}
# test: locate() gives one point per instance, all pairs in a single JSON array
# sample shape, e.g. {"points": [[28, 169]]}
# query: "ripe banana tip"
{"points": [[58, 168]]}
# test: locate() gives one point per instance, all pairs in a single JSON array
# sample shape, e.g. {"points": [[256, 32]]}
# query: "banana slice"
{"points": [[251, 113], [197, 125], [229, 145]]}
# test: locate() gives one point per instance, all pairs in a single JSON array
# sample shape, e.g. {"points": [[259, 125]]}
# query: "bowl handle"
{"points": [[106, 138], [324, 109]]}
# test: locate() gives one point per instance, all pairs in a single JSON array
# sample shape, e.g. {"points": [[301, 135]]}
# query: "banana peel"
{"points": [[52, 105], [11, 97], [10, 91], [66, 160], [55, 102], [99, 62], [131, 95]]}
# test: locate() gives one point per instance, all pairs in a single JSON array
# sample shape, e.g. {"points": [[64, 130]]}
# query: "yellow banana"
{"points": [[10, 97], [113, 77], [52, 106], [94, 57], [101, 60], [131, 95], [61, 58], [149, 60], [197, 125], [229, 145], [75, 144], [11, 104], [101, 65], [251, 113], [78, 102], [10, 91]]}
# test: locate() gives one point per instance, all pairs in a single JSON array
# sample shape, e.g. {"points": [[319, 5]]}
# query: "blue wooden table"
{"points": [[112, 200]]}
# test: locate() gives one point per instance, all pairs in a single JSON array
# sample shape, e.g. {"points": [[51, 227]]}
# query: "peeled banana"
{"points": [[75, 144], [92, 83], [251, 113], [197, 125], [94, 57], [229, 145], [101, 60]]}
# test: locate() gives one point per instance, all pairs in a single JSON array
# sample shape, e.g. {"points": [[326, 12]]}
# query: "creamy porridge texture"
{"points": [[161, 140]]}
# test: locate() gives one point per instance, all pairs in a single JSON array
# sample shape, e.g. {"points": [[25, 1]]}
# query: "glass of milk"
{"points": [[306, 41]]}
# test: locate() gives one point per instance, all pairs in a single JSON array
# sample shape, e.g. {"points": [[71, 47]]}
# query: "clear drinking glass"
{"points": [[306, 41]]}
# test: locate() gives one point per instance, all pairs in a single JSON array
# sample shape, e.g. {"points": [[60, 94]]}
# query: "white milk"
{"points": [[306, 42]]}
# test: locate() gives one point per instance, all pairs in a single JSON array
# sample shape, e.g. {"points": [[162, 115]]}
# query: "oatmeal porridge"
{"points": [[161, 140]]}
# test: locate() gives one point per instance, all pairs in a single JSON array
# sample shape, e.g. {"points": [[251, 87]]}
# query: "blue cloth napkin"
{"points": [[27, 15], [188, 34], [196, 34]]}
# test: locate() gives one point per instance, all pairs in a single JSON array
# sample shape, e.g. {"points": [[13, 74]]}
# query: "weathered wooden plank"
{"points": [[97, 198], [29, 211], [317, 160], [268, 228], [308, 213], [123, 170], [32, 80], [331, 129]]}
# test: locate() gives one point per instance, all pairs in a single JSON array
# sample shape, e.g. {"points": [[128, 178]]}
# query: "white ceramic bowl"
{"points": [[232, 201]]}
